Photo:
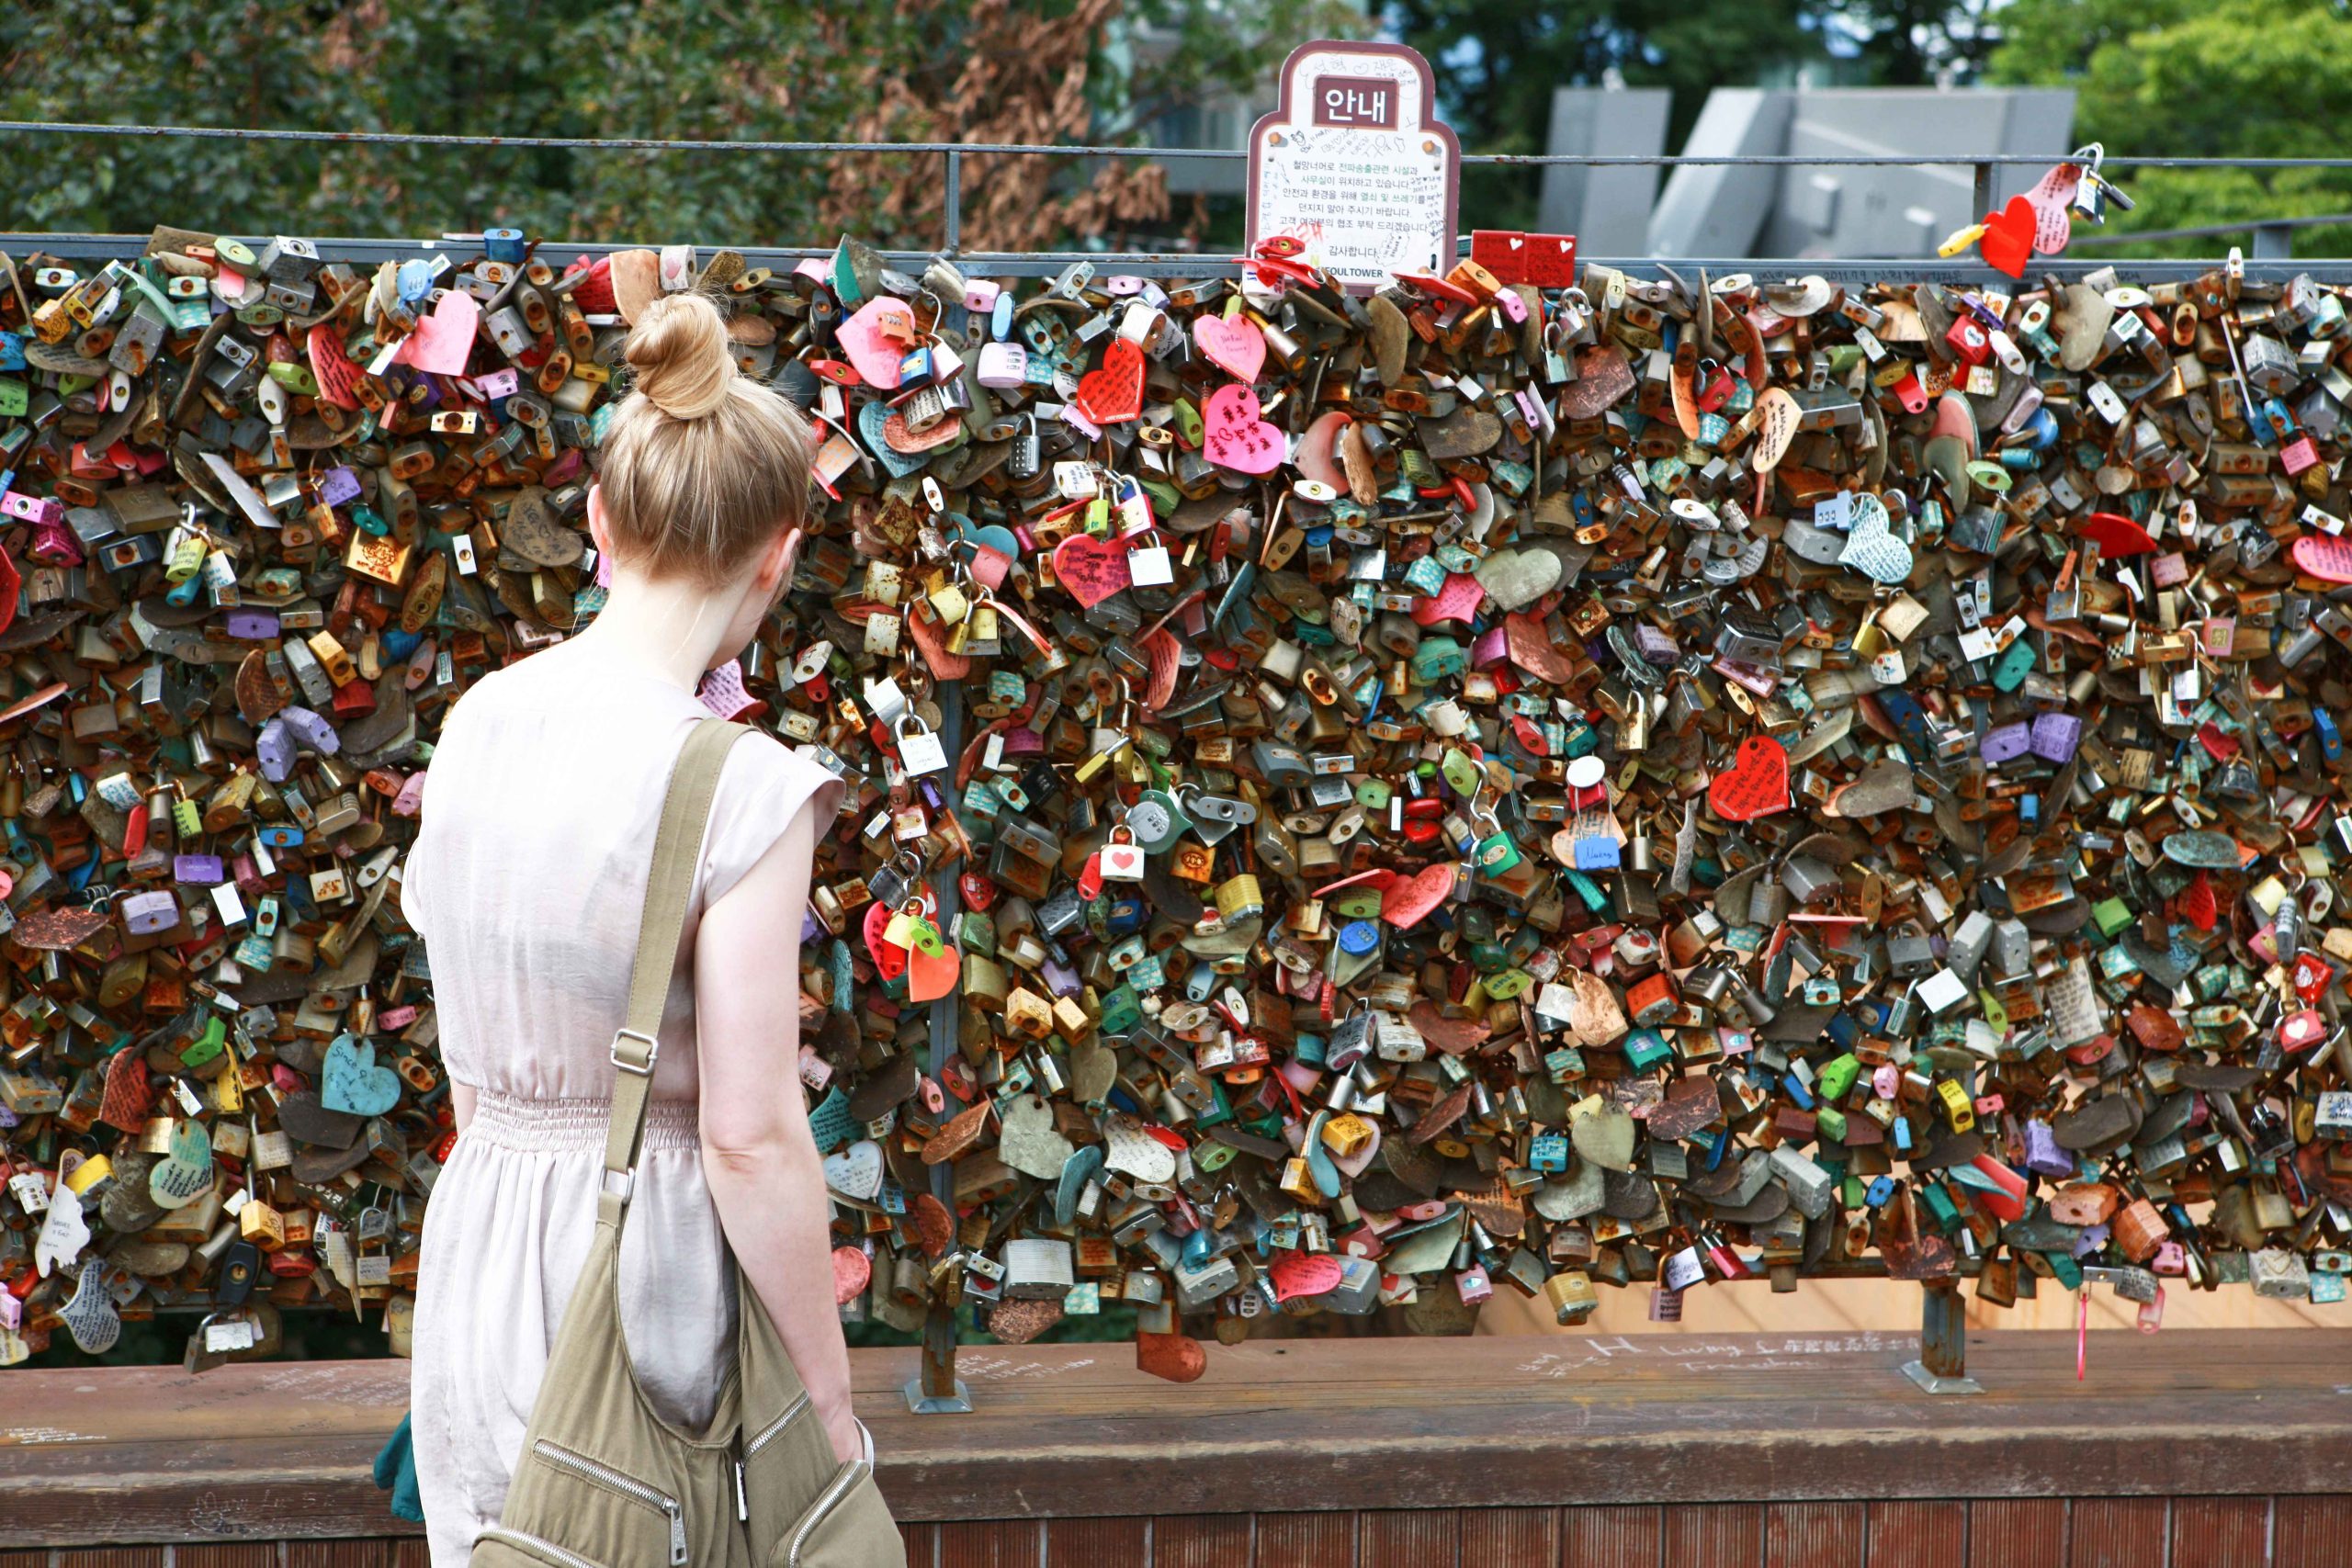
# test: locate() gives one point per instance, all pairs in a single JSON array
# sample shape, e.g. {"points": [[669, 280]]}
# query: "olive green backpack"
{"points": [[604, 1482]]}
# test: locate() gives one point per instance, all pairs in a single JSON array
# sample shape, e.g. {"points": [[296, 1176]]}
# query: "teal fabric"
{"points": [[396, 1473]]}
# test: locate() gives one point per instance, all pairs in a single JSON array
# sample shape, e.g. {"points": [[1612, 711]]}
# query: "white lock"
{"points": [[919, 748], [1121, 857]]}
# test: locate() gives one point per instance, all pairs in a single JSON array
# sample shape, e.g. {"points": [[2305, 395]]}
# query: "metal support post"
{"points": [[1942, 1366], [936, 1390]]}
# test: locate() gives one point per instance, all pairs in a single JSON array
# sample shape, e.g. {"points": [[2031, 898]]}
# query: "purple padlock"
{"points": [[2042, 1155], [338, 486], [275, 750], [2091, 1240], [251, 625], [2055, 736], [311, 731], [2006, 743], [201, 871], [143, 914]]}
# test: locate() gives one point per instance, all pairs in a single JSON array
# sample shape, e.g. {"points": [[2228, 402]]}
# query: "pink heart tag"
{"points": [[1304, 1274], [2052, 199], [443, 340], [1235, 436], [1408, 900], [1234, 346], [2325, 556], [876, 339], [1091, 569]]}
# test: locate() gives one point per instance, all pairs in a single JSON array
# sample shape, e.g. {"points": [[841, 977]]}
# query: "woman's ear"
{"points": [[599, 528], [779, 561]]}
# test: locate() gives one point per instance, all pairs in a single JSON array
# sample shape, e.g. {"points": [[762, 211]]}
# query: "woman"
{"points": [[526, 884]]}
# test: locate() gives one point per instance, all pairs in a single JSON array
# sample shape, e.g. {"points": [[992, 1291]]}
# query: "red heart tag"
{"points": [[1409, 899], [338, 376], [1091, 569], [2325, 556], [852, 1268], [2008, 241], [1305, 1274], [931, 975], [1113, 393], [1756, 785], [1176, 1356], [1234, 438], [126, 1098], [2198, 906], [1234, 346]]}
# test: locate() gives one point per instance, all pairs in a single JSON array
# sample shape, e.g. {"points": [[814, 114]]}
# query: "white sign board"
{"points": [[1355, 166]]}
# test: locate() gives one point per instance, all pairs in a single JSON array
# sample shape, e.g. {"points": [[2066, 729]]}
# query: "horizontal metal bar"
{"points": [[1535, 160], [1850, 272], [2210, 230]]}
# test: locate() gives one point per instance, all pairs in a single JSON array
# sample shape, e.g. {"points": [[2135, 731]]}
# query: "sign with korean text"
{"points": [[1354, 165]]}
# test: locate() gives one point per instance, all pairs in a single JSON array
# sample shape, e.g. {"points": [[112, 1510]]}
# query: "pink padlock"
{"points": [[1004, 365], [980, 296], [2169, 1258]]}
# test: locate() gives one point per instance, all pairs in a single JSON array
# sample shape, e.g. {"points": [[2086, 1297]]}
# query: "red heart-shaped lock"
{"points": [[852, 1268], [1176, 1356], [2115, 535], [1408, 899], [1115, 392], [1091, 569], [2008, 241], [2323, 556], [890, 958], [931, 975], [1756, 785]]}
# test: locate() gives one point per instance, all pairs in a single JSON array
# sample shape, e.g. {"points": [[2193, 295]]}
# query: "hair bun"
{"points": [[678, 355]]}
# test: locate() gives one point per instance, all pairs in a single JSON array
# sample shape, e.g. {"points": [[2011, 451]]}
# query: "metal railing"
{"points": [[2269, 249]]}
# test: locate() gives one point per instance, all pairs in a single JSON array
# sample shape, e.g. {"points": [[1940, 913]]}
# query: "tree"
{"points": [[765, 69], [2209, 78]]}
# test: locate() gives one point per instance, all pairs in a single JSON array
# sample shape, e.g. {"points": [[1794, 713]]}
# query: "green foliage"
{"points": [[747, 70], [2203, 78]]}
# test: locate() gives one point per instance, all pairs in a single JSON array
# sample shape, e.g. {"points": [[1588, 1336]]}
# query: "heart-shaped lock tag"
{"points": [[91, 1315], [1091, 569], [64, 1232], [1028, 1141], [185, 1173], [856, 1171], [852, 1269], [1233, 437], [1409, 899], [876, 337], [1756, 785], [354, 1083], [2327, 556], [2053, 200], [1232, 344], [2007, 244], [1113, 393], [1871, 547], [1129, 1149], [931, 975]]}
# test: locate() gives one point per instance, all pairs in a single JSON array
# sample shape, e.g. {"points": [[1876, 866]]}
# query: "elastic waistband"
{"points": [[512, 1121]]}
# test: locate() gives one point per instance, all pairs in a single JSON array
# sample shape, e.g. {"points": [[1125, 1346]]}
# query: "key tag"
{"points": [[920, 751]]}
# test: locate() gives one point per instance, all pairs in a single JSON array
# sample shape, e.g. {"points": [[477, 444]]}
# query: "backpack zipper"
{"points": [[637, 1491], [855, 1472], [767, 1434], [533, 1543]]}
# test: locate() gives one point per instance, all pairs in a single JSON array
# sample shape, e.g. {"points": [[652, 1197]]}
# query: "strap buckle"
{"points": [[652, 1052]]}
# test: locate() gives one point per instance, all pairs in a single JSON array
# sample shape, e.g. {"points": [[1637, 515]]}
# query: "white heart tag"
{"points": [[64, 1234], [1136, 1152], [91, 1315], [1871, 547], [856, 1171]]}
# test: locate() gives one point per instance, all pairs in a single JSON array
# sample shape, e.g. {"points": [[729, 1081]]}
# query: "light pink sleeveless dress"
{"points": [[525, 882]]}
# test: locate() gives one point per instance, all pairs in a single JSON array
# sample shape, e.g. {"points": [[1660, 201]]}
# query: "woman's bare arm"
{"points": [[757, 1153]]}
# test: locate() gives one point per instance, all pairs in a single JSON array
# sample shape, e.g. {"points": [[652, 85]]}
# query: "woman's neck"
{"points": [[669, 628]]}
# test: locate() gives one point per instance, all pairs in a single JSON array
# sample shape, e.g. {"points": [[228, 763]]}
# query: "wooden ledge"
{"points": [[282, 1450]]}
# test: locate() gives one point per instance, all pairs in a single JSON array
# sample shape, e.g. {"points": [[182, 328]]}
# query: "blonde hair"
{"points": [[701, 465]]}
